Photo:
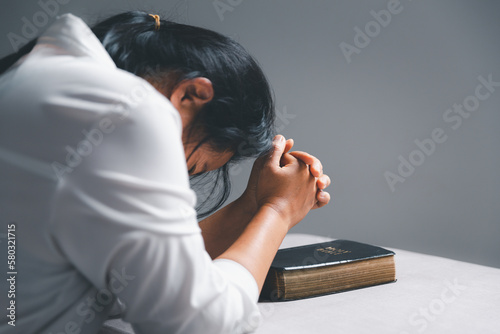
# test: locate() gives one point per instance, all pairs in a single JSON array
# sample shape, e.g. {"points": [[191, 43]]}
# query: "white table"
{"points": [[431, 295]]}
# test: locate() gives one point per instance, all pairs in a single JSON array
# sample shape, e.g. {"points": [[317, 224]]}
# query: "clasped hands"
{"points": [[291, 183]]}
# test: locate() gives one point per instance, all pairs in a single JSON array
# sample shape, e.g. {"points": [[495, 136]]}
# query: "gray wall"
{"points": [[359, 116]]}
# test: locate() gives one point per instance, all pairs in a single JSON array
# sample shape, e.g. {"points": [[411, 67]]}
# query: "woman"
{"points": [[99, 130]]}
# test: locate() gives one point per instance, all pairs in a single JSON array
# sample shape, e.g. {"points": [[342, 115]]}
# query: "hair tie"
{"points": [[157, 21]]}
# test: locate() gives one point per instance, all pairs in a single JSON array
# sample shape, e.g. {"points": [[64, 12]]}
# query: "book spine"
{"points": [[274, 286]]}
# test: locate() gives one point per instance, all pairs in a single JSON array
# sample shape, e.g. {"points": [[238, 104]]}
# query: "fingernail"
{"points": [[279, 138], [317, 167]]}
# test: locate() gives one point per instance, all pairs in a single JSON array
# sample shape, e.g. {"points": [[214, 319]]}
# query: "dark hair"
{"points": [[11, 59], [239, 118]]}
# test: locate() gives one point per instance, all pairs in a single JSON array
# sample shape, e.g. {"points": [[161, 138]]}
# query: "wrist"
{"points": [[248, 203], [277, 213], [256, 247]]}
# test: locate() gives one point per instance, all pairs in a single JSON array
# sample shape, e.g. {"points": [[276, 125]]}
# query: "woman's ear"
{"points": [[192, 94], [189, 97]]}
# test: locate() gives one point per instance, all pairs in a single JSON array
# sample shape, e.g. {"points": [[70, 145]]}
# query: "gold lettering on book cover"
{"points": [[333, 250]]}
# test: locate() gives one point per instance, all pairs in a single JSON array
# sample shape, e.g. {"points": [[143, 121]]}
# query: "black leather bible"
{"points": [[327, 267]]}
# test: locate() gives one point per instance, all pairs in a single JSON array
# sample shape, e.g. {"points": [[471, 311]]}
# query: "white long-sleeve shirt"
{"points": [[94, 178]]}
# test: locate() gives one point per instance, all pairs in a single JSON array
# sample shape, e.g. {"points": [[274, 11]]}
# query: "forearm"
{"points": [[257, 245], [221, 229], [287, 190]]}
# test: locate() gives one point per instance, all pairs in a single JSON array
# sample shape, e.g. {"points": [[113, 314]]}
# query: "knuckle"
{"points": [[276, 146]]}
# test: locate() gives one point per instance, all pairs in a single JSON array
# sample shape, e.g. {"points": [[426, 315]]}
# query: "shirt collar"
{"points": [[74, 37]]}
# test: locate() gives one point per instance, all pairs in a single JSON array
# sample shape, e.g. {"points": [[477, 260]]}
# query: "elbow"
{"points": [[231, 312]]}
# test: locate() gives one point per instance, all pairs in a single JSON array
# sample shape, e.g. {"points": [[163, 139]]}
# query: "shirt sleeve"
{"points": [[124, 217]]}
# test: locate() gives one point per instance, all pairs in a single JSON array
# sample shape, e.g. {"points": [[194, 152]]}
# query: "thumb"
{"points": [[277, 151]]}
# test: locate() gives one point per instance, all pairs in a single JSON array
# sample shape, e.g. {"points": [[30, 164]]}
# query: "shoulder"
{"points": [[70, 73], [74, 96], [78, 89]]}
